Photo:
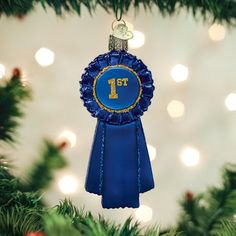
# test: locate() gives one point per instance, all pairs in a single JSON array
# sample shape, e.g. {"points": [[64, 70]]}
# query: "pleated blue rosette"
{"points": [[117, 88]]}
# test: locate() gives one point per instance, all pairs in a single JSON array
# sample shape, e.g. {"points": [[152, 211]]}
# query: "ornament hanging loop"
{"points": [[115, 22], [118, 40], [119, 10]]}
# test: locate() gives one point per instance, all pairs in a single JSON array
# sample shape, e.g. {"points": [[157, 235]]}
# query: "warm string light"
{"points": [[216, 32], [143, 213], [152, 152], [24, 79], [68, 136], [203, 203], [6, 164], [235, 218], [230, 102], [175, 109], [2, 71], [68, 184], [190, 156], [44, 57], [179, 73], [138, 40]]}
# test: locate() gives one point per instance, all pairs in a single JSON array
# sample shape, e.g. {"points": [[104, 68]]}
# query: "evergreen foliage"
{"points": [[13, 94], [41, 173], [215, 10], [211, 213]]}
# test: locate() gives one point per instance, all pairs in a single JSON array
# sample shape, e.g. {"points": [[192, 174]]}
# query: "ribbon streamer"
{"points": [[119, 167], [117, 88]]}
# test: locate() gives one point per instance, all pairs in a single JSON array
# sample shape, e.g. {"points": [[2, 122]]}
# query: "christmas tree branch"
{"points": [[86, 224], [21, 208], [4, 168], [207, 214], [229, 227], [19, 211], [213, 10], [41, 174], [211, 213], [225, 209], [13, 94]]}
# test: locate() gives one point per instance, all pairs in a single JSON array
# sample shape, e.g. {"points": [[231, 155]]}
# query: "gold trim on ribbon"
{"points": [[107, 108]]}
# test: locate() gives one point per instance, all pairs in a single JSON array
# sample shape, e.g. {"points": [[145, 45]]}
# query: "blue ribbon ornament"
{"points": [[117, 89]]}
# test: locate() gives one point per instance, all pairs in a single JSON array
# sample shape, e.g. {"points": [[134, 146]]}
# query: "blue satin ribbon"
{"points": [[119, 167]]}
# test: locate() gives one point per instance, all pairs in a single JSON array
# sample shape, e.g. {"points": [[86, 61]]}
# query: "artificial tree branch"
{"points": [[13, 94], [207, 213], [212, 10], [40, 175]]}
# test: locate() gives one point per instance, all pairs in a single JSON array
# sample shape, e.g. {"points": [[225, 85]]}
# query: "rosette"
{"points": [[117, 89]]}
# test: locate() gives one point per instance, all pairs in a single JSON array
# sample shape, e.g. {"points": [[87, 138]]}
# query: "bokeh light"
{"points": [[143, 213], [2, 71], [138, 40], [235, 218], [68, 184], [68, 136], [24, 79], [216, 32], [179, 73], [175, 109], [152, 152], [230, 102], [44, 57], [190, 156]]}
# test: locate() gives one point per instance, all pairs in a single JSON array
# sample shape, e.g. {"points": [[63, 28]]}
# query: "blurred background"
{"points": [[190, 127]]}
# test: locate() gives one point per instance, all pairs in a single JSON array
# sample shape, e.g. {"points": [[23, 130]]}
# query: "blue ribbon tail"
{"points": [[119, 167], [146, 176], [94, 173]]}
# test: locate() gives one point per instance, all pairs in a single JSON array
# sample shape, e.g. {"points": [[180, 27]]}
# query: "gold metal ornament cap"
{"points": [[117, 44], [118, 40]]}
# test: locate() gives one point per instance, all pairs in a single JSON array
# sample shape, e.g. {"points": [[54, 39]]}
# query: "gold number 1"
{"points": [[113, 94]]}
